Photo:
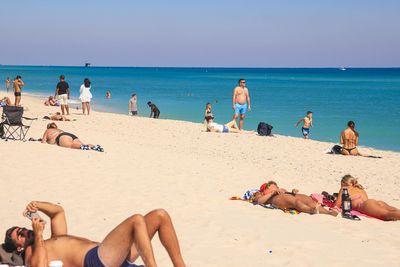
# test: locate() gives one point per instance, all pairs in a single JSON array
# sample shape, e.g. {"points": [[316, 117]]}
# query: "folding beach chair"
{"points": [[12, 126]]}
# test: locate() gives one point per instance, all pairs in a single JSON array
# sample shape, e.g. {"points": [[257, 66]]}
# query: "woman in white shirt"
{"points": [[85, 96]]}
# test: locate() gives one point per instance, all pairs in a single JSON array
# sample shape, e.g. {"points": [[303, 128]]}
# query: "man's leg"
{"points": [[160, 221], [117, 245], [62, 109], [67, 109], [241, 121]]}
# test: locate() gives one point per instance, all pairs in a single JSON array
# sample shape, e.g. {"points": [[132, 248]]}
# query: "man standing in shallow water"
{"points": [[17, 84], [240, 102]]}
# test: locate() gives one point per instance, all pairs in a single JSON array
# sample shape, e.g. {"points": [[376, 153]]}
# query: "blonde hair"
{"points": [[349, 180]]}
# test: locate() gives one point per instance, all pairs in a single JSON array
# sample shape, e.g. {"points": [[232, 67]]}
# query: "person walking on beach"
{"points": [[8, 84], [132, 107], [127, 242], [240, 101], [17, 85], [63, 93], [349, 139], [307, 124], [85, 96], [154, 111]]}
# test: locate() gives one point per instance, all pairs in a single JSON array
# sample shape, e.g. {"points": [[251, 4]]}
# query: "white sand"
{"points": [[177, 166]]}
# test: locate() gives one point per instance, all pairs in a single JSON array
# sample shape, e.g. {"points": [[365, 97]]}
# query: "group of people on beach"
{"points": [[271, 193]]}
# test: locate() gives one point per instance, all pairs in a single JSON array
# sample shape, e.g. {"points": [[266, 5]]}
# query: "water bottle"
{"points": [[346, 202]]}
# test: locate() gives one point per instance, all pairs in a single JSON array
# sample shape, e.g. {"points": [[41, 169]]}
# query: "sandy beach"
{"points": [[176, 165]]}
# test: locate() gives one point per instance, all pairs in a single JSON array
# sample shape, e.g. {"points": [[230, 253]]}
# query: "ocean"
{"points": [[280, 97]]}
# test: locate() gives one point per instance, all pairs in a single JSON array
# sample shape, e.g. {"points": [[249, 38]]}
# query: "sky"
{"points": [[206, 33]]}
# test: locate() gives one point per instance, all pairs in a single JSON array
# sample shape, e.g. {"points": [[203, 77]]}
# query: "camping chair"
{"points": [[11, 126]]}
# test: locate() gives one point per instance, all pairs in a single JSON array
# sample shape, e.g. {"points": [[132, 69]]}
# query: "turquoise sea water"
{"points": [[370, 97]]}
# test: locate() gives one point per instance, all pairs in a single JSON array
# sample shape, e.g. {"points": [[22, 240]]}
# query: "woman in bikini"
{"points": [[360, 201], [349, 139], [53, 135], [270, 193]]}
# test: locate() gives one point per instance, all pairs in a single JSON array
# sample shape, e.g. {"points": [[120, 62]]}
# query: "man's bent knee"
{"points": [[137, 219]]}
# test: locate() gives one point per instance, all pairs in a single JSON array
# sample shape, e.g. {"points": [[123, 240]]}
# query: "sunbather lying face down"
{"points": [[56, 117], [270, 193], [121, 247], [53, 135], [360, 201]]}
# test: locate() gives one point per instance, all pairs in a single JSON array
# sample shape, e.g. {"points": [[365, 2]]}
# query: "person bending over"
{"points": [[154, 111], [360, 201], [121, 247], [53, 135], [270, 193]]}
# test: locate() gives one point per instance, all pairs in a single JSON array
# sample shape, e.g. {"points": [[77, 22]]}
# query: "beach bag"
{"points": [[336, 149], [264, 129]]}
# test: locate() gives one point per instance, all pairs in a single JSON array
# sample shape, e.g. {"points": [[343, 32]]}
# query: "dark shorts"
{"points": [[66, 134], [305, 131], [17, 93], [92, 259]]}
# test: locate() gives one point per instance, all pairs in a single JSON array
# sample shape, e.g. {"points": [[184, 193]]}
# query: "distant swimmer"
{"points": [[154, 111], [17, 84], [240, 102], [8, 84], [108, 94], [349, 139], [307, 124]]}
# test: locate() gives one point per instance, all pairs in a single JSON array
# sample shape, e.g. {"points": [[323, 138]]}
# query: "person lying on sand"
{"points": [[360, 201], [56, 117], [230, 127], [5, 101], [51, 102], [53, 135], [270, 193], [121, 247]]}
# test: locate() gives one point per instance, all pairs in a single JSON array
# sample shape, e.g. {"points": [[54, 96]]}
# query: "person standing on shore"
{"points": [[307, 124], [8, 84], [85, 96], [132, 108], [63, 93], [240, 102], [154, 111], [17, 85]]}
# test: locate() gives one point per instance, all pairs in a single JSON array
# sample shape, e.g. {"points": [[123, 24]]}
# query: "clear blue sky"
{"points": [[227, 33]]}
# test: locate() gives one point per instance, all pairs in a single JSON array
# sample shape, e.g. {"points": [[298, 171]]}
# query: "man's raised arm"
{"points": [[54, 212], [39, 254]]}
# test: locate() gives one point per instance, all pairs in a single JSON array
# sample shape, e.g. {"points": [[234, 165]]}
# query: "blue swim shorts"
{"points": [[225, 129], [305, 131], [92, 259], [240, 109]]}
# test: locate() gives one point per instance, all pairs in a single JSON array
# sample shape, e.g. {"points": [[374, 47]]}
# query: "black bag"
{"points": [[264, 129], [336, 149]]}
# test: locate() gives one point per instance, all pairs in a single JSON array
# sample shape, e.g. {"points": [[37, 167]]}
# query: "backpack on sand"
{"points": [[264, 129]]}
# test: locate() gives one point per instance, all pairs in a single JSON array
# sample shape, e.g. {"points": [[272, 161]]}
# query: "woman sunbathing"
{"points": [[360, 201], [56, 117], [53, 135], [229, 127], [270, 193]]}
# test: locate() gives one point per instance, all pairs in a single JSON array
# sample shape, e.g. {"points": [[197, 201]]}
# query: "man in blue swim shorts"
{"points": [[240, 102], [119, 248], [307, 124]]}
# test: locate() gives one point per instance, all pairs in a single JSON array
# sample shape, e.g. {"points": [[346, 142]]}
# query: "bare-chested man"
{"points": [[307, 124], [8, 84], [349, 139], [240, 102], [121, 247], [17, 84]]}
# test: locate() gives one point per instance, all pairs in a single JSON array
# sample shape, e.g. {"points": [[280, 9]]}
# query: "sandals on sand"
{"points": [[348, 215], [97, 148]]}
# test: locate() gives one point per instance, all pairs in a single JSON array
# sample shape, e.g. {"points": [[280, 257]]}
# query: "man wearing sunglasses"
{"points": [[121, 247], [240, 102]]}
